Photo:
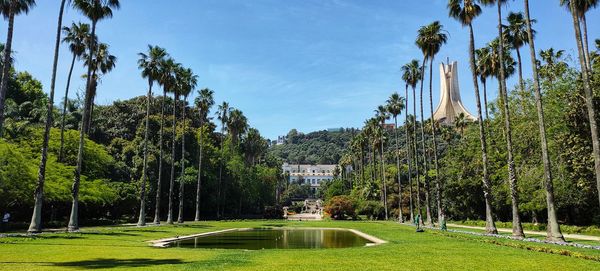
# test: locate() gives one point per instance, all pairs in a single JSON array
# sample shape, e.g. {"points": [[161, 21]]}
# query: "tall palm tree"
{"points": [[102, 63], [150, 65], [484, 71], [395, 105], [465, 11], [167, 81], [10, 9], [188, 81], [36, 217], [588, 92], [461, 122], [237, 125], [203, 102], [581, 7], [223, 116], [517, 37], [430, 40], [551, 62], [517, 229], [382, 115], [95, 10], [175, 88], [77, 37], [411, 74], [553, 226]]}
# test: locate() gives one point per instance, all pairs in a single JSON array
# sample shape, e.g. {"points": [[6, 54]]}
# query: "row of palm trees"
{"points": [[493, 60]]}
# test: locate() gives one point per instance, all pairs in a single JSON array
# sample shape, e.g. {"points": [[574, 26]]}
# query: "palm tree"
{"points": [[517, 37], [517, 229], [465, 11], [203, 102], [484, 70], [150, 66], [461, 122], [589, 95], [167, 80], [102, 63], [395, 105], [411, 75], [77, 37], [10, 9], [175, 88], [553, 226], [237, 125], [223, 116], [581, 7], [188, 81], [382, 115], [36, 217], [553, 64], [95, 10], [430, 39]]}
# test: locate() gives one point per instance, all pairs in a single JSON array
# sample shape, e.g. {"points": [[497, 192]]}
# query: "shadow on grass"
{"points": [[102, 263], [195, 226], [110, 233], [273, 225]]}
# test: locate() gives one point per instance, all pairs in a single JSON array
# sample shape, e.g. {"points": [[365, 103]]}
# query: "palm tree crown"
{"points": [[395, 104], [96, 10], [465, 11], [430, 39], [411, 73], [15, 7], [150, 63]]}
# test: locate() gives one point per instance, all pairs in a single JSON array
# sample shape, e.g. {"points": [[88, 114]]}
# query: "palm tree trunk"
{"points": [[408, 157], [425, 166], [219, 188], [74, 216], [181, 176], [6, 67], [36, 217], [400, 216], [64, 111], [589, 98], [490, 226], [438, 182], [199, 181], [160, 160], [485, 102], [142, 217], [385, 204], [517, 229], [173, 159], [520, 66], [415, 142]]}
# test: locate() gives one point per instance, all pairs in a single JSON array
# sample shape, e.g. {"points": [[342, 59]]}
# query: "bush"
{"points": [[273, 212], [371, 209], [340, 208]]}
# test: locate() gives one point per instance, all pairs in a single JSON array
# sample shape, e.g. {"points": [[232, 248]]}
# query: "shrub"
{"points": [[371, 209], [273, 212], [340, 207]]}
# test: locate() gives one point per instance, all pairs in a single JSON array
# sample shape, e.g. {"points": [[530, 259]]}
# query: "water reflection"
{"points": [[276, 239]]}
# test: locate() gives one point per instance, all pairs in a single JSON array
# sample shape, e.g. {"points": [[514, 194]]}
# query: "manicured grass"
{"points": [[122, 248]]}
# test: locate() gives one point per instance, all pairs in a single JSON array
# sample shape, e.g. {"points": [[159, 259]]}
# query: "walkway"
{"points": [[568, 236]]}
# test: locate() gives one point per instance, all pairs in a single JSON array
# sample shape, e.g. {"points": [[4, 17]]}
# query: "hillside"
{"points": [[321, 147]]}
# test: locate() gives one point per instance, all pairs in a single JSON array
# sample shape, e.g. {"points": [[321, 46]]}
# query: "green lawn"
{"points": [[119, 248]]}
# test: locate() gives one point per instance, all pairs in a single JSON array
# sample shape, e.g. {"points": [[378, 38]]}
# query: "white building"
{"points": [[309, 174]]}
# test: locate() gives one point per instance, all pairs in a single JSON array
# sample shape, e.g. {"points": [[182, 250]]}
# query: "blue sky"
{"points": [[305, 64]]}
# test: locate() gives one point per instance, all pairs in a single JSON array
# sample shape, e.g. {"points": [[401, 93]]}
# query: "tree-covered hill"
{"points": [[321, 147]]}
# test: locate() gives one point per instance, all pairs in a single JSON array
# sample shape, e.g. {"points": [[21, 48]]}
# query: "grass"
{"points": [[570, 229], [124, 248]]}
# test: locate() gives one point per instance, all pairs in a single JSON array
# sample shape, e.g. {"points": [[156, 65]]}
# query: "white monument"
{"points": [[450, 104]]}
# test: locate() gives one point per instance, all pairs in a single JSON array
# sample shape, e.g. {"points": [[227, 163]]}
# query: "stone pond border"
{"points": [[163, 243]]}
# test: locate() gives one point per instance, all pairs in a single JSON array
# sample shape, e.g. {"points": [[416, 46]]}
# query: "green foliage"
{"points": [[320, 147]]}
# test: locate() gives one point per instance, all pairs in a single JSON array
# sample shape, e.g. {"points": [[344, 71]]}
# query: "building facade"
{"points": [[313, 175]]}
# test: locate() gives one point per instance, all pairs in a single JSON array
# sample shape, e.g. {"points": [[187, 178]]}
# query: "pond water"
{"points": [[255, 239]]}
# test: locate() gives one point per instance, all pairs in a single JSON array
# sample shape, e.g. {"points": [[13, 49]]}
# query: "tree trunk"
{"points": [[182, 175], [517, 229], [589, 100], [415, 142], [400, 217], [74, 217], [199, 181], [173, 159], [385, 204], [36, 217], [438, 182], [160, 160], [6, 67], [64, 112], [221, 170], [490, 226], [408, 156], [586, 50], [520, 65], [425, 166], [142, 217]]}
